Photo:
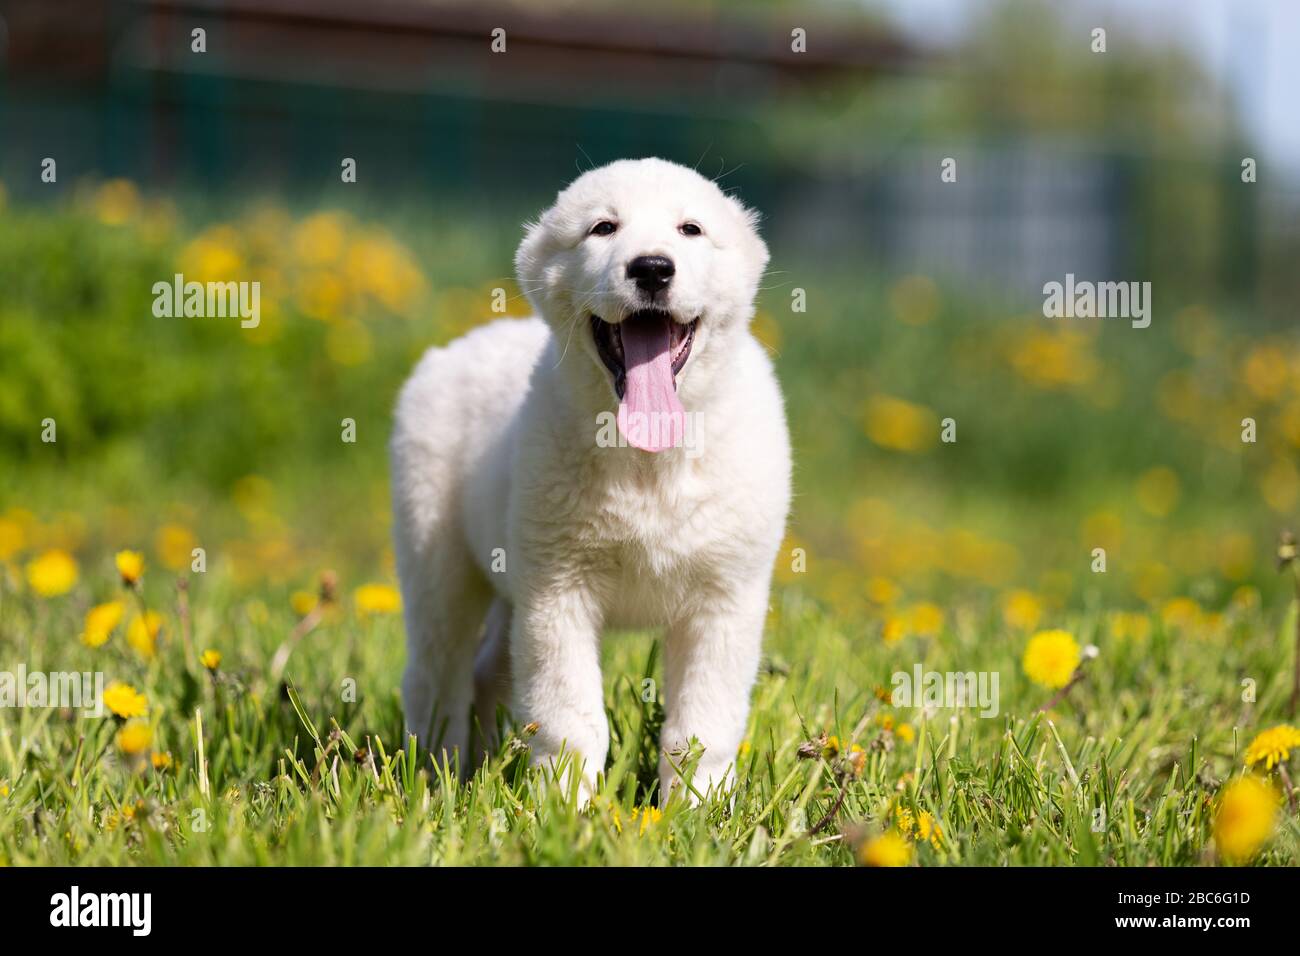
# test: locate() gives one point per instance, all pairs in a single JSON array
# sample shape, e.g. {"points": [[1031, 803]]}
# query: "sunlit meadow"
{"points": [[200, 534]]}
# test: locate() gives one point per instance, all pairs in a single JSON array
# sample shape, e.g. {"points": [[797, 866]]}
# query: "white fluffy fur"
{"points": [[495, 447]]}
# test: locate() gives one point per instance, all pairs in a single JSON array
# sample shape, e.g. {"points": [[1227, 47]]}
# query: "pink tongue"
{"points": [[650, 416]]}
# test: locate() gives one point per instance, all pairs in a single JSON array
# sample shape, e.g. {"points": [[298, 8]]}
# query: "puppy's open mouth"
{"points": [[646, 343], [644, 353]]}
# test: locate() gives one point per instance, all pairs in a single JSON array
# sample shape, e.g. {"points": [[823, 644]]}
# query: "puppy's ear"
{"points": [[756, 247], [531, 256]]}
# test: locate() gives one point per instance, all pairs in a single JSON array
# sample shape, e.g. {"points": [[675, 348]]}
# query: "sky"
{"points": [[1252, 45]]}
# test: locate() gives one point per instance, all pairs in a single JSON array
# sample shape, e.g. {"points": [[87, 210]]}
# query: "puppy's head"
{"points": [[650, 269]]}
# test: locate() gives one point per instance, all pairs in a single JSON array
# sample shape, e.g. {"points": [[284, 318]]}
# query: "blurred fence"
{"points": [[412, 91]]}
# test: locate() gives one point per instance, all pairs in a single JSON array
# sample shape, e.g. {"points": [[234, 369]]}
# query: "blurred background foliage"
{"points": [[923, 300]]}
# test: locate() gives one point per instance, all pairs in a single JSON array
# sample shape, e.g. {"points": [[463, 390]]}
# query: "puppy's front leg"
{"points": [[710, 664], [555, 664]]}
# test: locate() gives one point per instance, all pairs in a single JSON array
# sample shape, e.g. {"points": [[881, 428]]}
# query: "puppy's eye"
{"points": [[603, 228], [691, 229]]}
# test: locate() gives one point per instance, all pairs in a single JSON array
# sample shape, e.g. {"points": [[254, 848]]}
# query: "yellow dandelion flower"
{"points": [[1264, 371], [210, 659], [643, 818], [53, 573], [377, 599], [100, 622], [882, 591], [1130, 625], [926, 619], [130, 565], [927, 828], [161, 761], [900, 425], [1054, 360], [214, 256], [142, 633], [385, 270], [116, 202], [1050, 658], [1180, 613], [905, 733], [174, 544], [894, 630], [135, 737], [1213, 621], [920, 826], [1245, 818], [12, 538], [888, 849], [1022, 610], [319, 239], [302, 602], [1245, 598], [321, 295], [124, 700], [1273, 746]]}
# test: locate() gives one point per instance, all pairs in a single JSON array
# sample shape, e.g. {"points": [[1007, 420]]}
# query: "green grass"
{"points": [[264, 776]]}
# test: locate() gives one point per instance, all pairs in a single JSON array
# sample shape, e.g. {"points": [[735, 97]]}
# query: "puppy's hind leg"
{"points": [[492, 673], [444, 596], [444, 600], [444, 608]]}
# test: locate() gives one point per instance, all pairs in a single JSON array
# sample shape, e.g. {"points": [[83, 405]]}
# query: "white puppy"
{"points": [[621, 461]]}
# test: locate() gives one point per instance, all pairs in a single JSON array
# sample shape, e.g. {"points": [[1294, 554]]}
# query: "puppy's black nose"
{"points": [[652, 273]]}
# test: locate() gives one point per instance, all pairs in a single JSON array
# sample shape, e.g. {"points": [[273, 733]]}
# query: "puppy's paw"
{"points": [[693, 777], [558, 772]]}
